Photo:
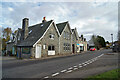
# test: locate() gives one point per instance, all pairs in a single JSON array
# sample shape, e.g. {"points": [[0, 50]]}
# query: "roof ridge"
{"points": [[62, 22], [39, 23]]}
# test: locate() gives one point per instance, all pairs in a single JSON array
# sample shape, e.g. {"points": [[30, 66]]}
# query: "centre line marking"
{"points": [[69, 71], [74, 66], [55, 74], [80, 66], [70, 68], [63, 70], [46, 77], [91, 62], [84, 64], [88, 63]]}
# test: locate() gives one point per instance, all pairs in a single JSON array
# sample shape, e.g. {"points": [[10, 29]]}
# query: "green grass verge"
{"points": [[113, 74]]}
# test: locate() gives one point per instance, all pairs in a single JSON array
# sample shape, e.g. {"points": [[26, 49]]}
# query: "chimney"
{"points": [[44, 19], [25, 25]]}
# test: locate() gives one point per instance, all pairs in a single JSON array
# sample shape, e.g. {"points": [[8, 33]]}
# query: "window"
{"points": [[51, 47], [26, 50], [51, 36], [68, 36], [66, 46]]}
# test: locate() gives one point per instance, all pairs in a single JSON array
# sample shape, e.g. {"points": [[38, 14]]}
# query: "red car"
{"points": [[92, 49]]}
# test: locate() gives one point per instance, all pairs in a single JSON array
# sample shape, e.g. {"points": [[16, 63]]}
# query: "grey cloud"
{"points": [[72, 12]]}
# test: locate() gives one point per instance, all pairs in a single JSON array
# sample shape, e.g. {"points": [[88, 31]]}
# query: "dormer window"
{"points": [[51, 36]]}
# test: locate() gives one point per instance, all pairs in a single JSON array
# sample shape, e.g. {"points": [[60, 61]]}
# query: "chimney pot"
{"points": [[25, 25], [44, 19]]}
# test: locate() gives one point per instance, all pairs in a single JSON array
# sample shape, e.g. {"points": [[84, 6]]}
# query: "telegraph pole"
{"points": [[112, 39]]}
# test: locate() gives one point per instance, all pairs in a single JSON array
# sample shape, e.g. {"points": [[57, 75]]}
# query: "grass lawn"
{"points": [[113, 74]]}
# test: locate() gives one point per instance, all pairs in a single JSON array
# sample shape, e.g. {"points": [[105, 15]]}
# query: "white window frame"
{"points": [[52, 36], [52, 49]]}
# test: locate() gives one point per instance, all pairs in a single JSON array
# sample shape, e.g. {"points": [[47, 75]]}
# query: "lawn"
{"points": [[110, 75]]}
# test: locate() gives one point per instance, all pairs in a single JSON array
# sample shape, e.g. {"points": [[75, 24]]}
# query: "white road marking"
{"points": [[63, 70], [88, 63], [80, 66], [69, 71], [84, 64], [75, 68], [55, 74], [89, 60], [46, 77], [96, 59], [70, 68]]}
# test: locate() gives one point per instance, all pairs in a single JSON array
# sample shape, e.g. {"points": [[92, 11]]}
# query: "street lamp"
{"points": [[112, 38]]}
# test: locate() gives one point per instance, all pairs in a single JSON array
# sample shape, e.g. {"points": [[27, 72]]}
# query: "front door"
{"points": [[38, 51], [73, 48]]}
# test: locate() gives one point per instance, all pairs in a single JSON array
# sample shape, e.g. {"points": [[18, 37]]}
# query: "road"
{"points": [[74, 66]]}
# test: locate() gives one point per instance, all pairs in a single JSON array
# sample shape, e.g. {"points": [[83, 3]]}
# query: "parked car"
{"points": [[92, 49]]}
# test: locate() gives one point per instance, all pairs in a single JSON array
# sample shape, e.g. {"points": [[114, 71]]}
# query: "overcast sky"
{"points": [[98, 18]]}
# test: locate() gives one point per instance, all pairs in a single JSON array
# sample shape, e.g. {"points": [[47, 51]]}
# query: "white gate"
{"points": [[38, 51]]}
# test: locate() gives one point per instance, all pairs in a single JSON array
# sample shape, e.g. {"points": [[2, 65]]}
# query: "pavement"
{"points": [[97, 62]]}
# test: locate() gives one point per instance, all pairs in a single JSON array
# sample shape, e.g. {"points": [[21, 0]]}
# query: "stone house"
{"points": [[46, 39], [75, 38], [65, 38], [39, 40], [83, 44]]}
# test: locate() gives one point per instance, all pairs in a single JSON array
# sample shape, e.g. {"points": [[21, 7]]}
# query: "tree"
{"points": [[98, 41], [7, 33], [101, 41], [6, 37], [4, 44]]}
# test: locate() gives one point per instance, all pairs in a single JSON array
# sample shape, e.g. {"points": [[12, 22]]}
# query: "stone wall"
{"points": [[64, 40], [74, 41], [46, 41]]}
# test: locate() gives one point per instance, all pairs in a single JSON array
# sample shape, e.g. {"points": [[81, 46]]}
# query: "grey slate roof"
{"points": [[36, 33], [61, 26]]}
